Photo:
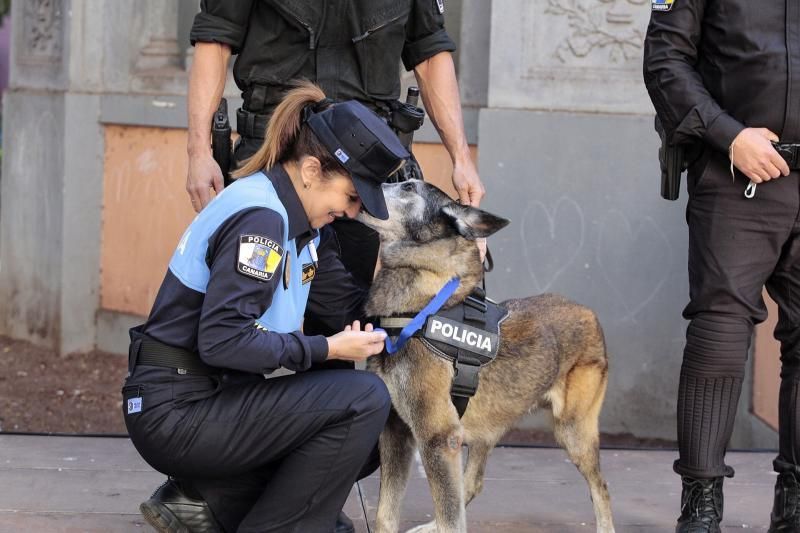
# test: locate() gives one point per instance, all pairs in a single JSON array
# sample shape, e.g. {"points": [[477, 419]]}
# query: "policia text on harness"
{"points": [[467, 334]]}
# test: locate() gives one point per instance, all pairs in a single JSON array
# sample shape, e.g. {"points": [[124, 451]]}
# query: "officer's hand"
{"points": [[204, 174], [753, 154], [467, 183], [470, 190], [352, 344]]}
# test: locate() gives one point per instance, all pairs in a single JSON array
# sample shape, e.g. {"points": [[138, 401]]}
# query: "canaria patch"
{"points": [[662, 5], [259, 257], [308, 272]]}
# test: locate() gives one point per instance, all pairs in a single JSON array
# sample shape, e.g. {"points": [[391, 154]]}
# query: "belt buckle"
{"points": [[794, 149], [788, 151]]}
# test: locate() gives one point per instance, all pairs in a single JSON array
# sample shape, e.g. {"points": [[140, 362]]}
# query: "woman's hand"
{"points": [[352, 344]]}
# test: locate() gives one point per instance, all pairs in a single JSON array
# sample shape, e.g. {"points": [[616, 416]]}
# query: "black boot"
{"points": [[171, 510], [701, 506], [785, 515]]}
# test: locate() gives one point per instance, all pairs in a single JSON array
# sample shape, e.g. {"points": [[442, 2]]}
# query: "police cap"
{"points": [[365, 145]]}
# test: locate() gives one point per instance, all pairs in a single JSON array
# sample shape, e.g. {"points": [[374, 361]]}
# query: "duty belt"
{"points": [[250, 124], [254, 125], [155, 353], [790, 152]]}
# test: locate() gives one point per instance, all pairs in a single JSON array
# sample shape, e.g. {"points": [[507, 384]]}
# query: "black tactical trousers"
{"points": [[277, 454], [736, 247]]}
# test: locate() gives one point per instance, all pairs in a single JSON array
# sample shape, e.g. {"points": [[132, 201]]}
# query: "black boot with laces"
{"points": [[701, 506], [785, 515]]}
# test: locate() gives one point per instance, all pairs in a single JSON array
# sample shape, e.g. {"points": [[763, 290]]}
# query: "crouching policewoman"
{"points": [[245, 453]]}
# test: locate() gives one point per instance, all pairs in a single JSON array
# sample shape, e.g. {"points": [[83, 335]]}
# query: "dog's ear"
{"points": [[472, 222]]}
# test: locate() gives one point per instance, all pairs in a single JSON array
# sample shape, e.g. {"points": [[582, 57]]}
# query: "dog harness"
{"points": [[467, 335]]}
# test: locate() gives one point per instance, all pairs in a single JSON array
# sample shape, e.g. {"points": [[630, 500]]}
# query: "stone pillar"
{"points": [[474, 45], [51, 186], [162, 50]]}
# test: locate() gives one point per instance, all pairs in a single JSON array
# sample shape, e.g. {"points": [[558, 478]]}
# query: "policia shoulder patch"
{"points": [[662, 5], [259, 257]]}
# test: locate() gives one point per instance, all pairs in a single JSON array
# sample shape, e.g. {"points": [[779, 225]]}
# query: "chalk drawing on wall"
{"points": [[635, 261], [552, 240]]}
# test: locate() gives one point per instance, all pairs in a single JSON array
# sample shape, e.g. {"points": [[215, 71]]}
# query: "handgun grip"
{"points": [[221, 145], [671, 171]]}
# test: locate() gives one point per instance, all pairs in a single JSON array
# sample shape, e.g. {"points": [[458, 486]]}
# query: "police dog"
{"points": [[551, 354]]}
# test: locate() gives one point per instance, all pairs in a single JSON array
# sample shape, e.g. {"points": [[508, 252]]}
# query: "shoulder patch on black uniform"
{"points": [[440, 5], [308, 272], [662, 5], [259, 257]]}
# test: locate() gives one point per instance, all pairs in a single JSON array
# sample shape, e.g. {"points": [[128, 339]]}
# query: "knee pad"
{"points": [[717, 345]]}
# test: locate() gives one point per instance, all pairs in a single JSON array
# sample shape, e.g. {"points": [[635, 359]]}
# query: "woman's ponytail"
{"points": [[286, 136]]}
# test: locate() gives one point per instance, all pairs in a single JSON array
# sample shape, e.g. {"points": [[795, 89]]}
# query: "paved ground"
{"points": [[89, 484]]}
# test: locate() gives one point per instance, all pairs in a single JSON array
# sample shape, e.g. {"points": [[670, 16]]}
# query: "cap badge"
{"points": [[343, 157]]}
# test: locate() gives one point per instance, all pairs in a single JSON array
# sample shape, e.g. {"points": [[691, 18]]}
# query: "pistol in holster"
{"points": [[405, 119], [672, 158], [221, 146]]}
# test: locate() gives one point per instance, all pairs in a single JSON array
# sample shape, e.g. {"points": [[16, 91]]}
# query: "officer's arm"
{"points": [[228, 336], [439, 90], [336, 299], [217, 31], [206, 85], [684, 105], [427, 50]]}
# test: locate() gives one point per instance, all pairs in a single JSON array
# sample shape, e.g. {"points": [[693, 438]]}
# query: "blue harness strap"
{"points": [[418, 321]]}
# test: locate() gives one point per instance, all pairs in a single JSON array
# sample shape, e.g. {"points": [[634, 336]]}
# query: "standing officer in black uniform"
{"points": [[350, 48], [247, 453], [724, 76]]}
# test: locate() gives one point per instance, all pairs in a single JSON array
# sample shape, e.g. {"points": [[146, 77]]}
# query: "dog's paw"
{"points": [[430, 527]]}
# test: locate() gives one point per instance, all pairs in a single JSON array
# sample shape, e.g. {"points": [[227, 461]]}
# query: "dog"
{"points": [[551, 354]]}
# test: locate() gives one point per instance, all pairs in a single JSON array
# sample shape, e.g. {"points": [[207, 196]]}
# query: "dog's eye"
{"points": [[407, 186]]}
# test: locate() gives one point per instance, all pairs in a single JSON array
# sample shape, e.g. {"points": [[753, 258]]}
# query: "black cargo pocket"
{"points": [[378, 50], [697, 172]]}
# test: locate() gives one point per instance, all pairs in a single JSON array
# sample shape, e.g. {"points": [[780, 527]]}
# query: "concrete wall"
{"points": [[51, 183]]}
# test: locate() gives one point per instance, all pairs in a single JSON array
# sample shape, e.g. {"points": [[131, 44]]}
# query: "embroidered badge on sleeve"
{"points": [[662, 5], [259, 257]]}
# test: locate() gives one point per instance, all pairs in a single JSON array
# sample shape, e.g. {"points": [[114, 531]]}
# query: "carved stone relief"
{"points": [[603, 28], [572, 55], [585, 33], [42, 32]]}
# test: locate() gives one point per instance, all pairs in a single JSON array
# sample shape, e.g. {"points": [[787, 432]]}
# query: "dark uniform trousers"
{"points": [[736, 247], [277, 454]]}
